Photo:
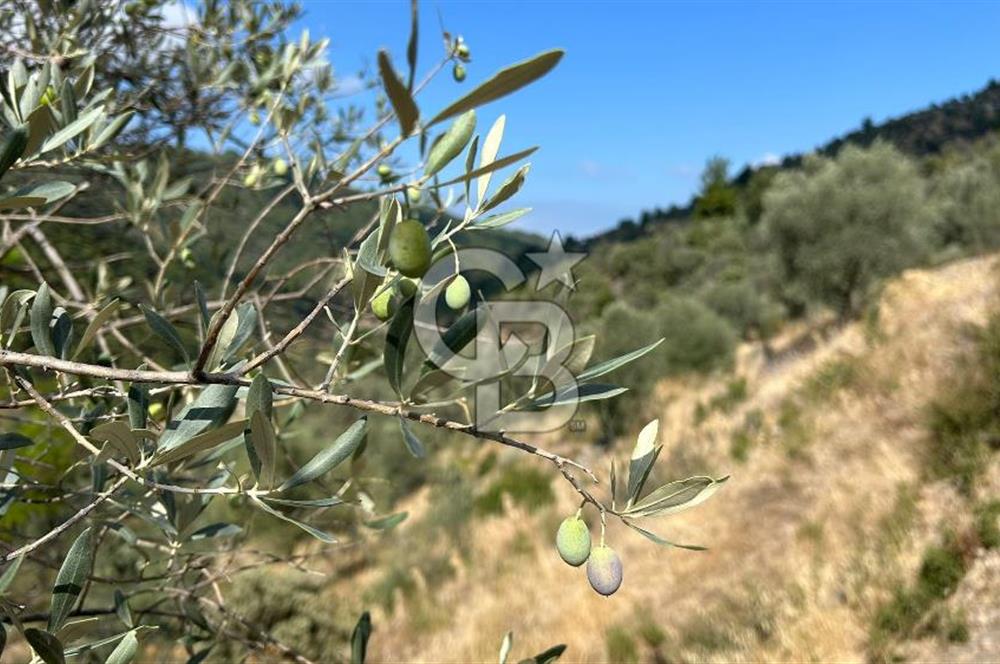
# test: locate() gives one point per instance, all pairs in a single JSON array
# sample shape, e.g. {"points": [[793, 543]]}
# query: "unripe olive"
{"points": [[382, 304], [251, 178], [48, 97], [458, 72], [462, 51], [413, 194], [410, 248], [280, 167], [255, 118], [573, 540], [604, 570], [407, 287], [456, 295], [384, 171]]}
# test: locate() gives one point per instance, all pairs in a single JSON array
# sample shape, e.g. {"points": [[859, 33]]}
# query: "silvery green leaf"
{"points": [[125, 651], [10, 574], [260, 396], [46, 646], [138, 405], [261, 448], [121, 437], [502, 83], [490, 148], [413, 443], [165, 330], [505, 646], [400, 98], [396, 339], [215, 530], [653, 537], [359, 638], [510, 187], [493, 166], [198, 443], [643, 456], [449, 145], [329, 458], [313, 503], [676, 496], [103, 316], [111, 131], [72, 130], [14, 440], [387, 522], [547, 657], [315, 532], [70, 580], [37, 194], [246, 316], [122, 609], [577, 394], [213, 406], [610, 365], [41, 318]]}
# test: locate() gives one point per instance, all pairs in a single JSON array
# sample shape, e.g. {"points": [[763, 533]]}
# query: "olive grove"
{"points": [[155, 174]]}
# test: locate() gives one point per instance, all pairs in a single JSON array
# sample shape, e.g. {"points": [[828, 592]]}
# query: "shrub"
{"points": [[839, 225]]}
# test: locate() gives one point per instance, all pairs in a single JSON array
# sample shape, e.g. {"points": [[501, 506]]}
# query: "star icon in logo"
{"points": [[556, 264]]}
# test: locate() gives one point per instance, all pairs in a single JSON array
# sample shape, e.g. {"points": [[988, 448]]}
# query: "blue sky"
{"points": [[649, 90]]}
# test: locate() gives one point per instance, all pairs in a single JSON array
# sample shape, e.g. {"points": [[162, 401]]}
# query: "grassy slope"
{"points": [[825, 517]]}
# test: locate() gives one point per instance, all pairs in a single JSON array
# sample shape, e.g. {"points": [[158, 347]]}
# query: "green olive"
{"points": [[383, 305], [604, 570], [413, 194], [573, 541], [457, 294], [462, 51], [458, 73], [407, 287], [251, 178], [280, 167], [410, 248], [384, 171]]}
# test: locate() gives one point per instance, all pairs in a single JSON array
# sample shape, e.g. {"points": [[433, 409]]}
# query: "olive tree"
{"points": [[839, 225], [160, 340]]}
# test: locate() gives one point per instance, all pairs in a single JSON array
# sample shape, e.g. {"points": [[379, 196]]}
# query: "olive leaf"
{"points": [[261, 448], [676, 496], [499, 220], [121, 437], [13, 148], [40, 318], [102, 317], [198, 443], [9, 574], [125, 651], [413, 443], [45, 645], [643, 457], [653, 537], [608, 366], [510, 187], [490, 148], [502, 83], [211, 407], [451, 143], [330, 457], [400, 98], [14, 440], [165, 330], [577, 394], [396, 339], [488, 169], [387, 522], [70, 580], [505, 646], [315, 532], [359, 638]]}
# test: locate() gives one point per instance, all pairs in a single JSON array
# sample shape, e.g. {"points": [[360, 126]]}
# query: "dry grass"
{"points": [[806, 540]]}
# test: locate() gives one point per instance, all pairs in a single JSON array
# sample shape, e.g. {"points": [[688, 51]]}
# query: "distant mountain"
{"points": [[928, 131]]}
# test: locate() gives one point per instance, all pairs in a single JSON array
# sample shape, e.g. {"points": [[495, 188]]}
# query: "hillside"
{"points": [[956, 122], [830, 510]]}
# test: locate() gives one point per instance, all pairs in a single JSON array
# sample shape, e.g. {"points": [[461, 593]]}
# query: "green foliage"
{"points": [[621, 647], [964, 417], [717, 197], [987, 524], [526, 487], [839, 225]]}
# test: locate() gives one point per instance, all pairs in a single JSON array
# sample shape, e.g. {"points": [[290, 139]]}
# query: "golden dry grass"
{"points": [[805, 539]]}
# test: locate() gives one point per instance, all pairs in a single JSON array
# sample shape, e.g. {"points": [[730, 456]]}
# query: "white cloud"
{"points": [[766, 159]]}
